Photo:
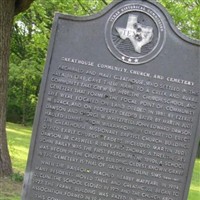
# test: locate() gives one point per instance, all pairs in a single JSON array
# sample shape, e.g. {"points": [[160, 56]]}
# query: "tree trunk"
{"points": [[7, 9], [22, 5]]}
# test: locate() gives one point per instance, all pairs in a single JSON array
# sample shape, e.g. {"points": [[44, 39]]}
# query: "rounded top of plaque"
{"points": [[135, 33]]}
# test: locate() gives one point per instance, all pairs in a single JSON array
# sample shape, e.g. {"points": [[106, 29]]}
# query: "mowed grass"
{"points": [[19, 140], [194, 193]]}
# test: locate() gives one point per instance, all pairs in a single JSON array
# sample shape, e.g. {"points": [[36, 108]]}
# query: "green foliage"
{"points": [[31, 32], [186, 14], [17, 177], [28, 51], [23, 88]]}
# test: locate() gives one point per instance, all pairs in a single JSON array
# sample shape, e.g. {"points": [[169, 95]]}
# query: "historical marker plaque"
{"points": [[118, 112]]}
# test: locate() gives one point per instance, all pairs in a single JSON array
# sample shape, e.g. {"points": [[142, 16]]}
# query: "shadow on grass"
{"points": [[10, 190]]}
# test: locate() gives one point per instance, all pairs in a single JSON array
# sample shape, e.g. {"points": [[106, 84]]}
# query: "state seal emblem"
{"points": [[135, 34]]}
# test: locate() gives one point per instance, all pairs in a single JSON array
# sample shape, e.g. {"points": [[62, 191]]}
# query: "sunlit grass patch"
{"points": [[18, 142], [194, 193]]}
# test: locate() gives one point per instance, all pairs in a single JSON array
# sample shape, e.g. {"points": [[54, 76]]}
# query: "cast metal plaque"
{"points": [[118, 113]]}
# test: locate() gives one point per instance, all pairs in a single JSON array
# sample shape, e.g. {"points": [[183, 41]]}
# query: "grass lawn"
{"points": [[194, 193], [19, 140]]}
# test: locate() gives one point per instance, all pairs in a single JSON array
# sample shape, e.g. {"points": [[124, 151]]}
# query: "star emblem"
{"points": [[136, 60]]}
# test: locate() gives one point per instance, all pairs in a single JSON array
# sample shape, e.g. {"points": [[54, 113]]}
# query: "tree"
{"points": [[31, 32], [8, 9], [186, 14], [28, 49]]}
